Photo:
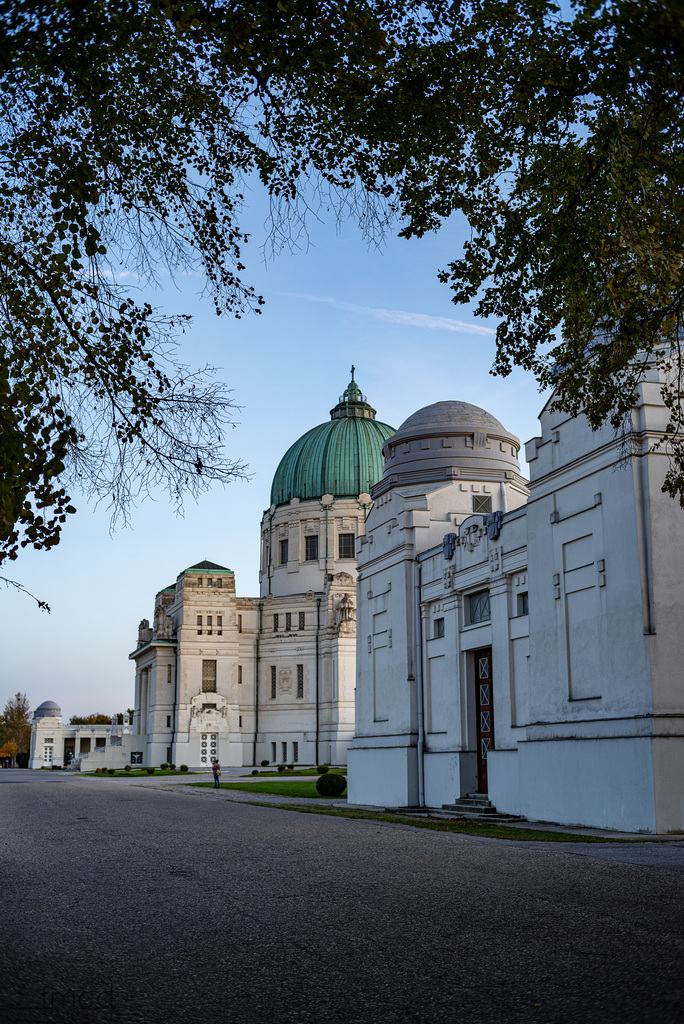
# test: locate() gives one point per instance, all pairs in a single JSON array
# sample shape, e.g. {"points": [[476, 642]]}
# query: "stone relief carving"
{"points": [[286, 680], [346, 610]]}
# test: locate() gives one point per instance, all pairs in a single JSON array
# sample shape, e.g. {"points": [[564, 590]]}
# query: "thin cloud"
{"points": [[399, 316]]}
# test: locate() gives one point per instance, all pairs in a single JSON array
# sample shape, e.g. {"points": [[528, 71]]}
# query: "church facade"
{"points": [[523, 643], [272, 677]]}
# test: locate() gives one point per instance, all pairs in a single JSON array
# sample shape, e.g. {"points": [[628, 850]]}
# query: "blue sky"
{"points": [[335, 303]]}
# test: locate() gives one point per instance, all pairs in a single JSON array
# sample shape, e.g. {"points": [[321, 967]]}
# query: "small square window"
{"points": [[478, 607], [346, 545], [283, 552], [199, 581], [311, 549], [438, 628], [302, 620], [482, 503]]}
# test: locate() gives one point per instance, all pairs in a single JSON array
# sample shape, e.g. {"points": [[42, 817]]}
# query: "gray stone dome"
{"points": [[459, 417], [48, 709], [449, 440]]}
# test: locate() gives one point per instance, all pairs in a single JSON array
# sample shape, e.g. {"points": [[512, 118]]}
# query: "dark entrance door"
{"points": [[484, 710]]}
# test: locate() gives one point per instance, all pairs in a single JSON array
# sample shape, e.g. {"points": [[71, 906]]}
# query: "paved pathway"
{"points": [[156, 903]]}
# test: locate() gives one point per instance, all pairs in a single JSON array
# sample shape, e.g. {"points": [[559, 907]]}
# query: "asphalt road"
{"points": [[140, 905]]}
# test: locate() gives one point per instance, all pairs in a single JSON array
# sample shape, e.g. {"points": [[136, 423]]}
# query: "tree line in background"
{"points": [[131, 133]]}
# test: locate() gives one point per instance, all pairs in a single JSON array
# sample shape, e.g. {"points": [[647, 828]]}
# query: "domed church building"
{"points": [[272, 677]]}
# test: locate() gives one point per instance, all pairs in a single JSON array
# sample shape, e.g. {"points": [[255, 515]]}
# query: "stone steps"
{"points": [[478, 807]]}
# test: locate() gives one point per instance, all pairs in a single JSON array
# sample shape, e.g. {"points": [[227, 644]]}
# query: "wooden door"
{"points": [[484, 710]]}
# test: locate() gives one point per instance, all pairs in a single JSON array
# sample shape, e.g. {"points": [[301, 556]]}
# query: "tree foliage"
{"points": [[132, 132], [94, 719], [129, 134], [15, 725], [561, 139]]}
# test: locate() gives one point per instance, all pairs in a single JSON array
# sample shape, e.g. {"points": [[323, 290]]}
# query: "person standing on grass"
{"points": [[216, 769]]}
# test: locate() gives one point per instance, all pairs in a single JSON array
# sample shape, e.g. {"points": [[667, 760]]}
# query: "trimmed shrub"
{"points": [[281, 767], [172, 767], [255, 771], [164, 767], [322, 769], [331, 784], [290, 767], [150, 771], [184, 767], [264, 764], [110, 771], [127, 768]]}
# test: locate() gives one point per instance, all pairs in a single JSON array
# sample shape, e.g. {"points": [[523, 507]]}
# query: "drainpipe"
{"points": [[504, 500], [318, 630], [175, 710], [256, 685], [419, 685]]}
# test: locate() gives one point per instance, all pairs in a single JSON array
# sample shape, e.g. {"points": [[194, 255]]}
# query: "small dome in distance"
{"points": [[48, 709]]}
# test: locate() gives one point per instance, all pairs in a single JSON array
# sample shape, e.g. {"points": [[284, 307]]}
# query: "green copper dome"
{"points": [[342, 457]]}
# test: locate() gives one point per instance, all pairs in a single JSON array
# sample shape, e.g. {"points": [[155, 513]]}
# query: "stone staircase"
{"points": [[478, 807]]}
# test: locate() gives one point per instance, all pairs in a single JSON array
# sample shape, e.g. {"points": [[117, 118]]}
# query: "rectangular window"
{"points": [[100, 742], [239, 673], [275, 623], [438, 628], [522, 604], [273, 752], [283, 552], [136, 757], [168, 673], [288, 621], [219, 625], [210, 582], [84, 746], [478, 607], [302, 620], [210, 623], [199, 581], [311, 549], [169, 754], [168, 721], [295, 752], [300, 680], [273, 683], [199, 623], [209, 676], [239, 623], [346, 545], [219, 582], [482, 503], [284, 752]]}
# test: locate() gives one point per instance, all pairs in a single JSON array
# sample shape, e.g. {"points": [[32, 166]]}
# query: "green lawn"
{"points": [[268, 773], [286, 788], [469, 828], [136, 773]]}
